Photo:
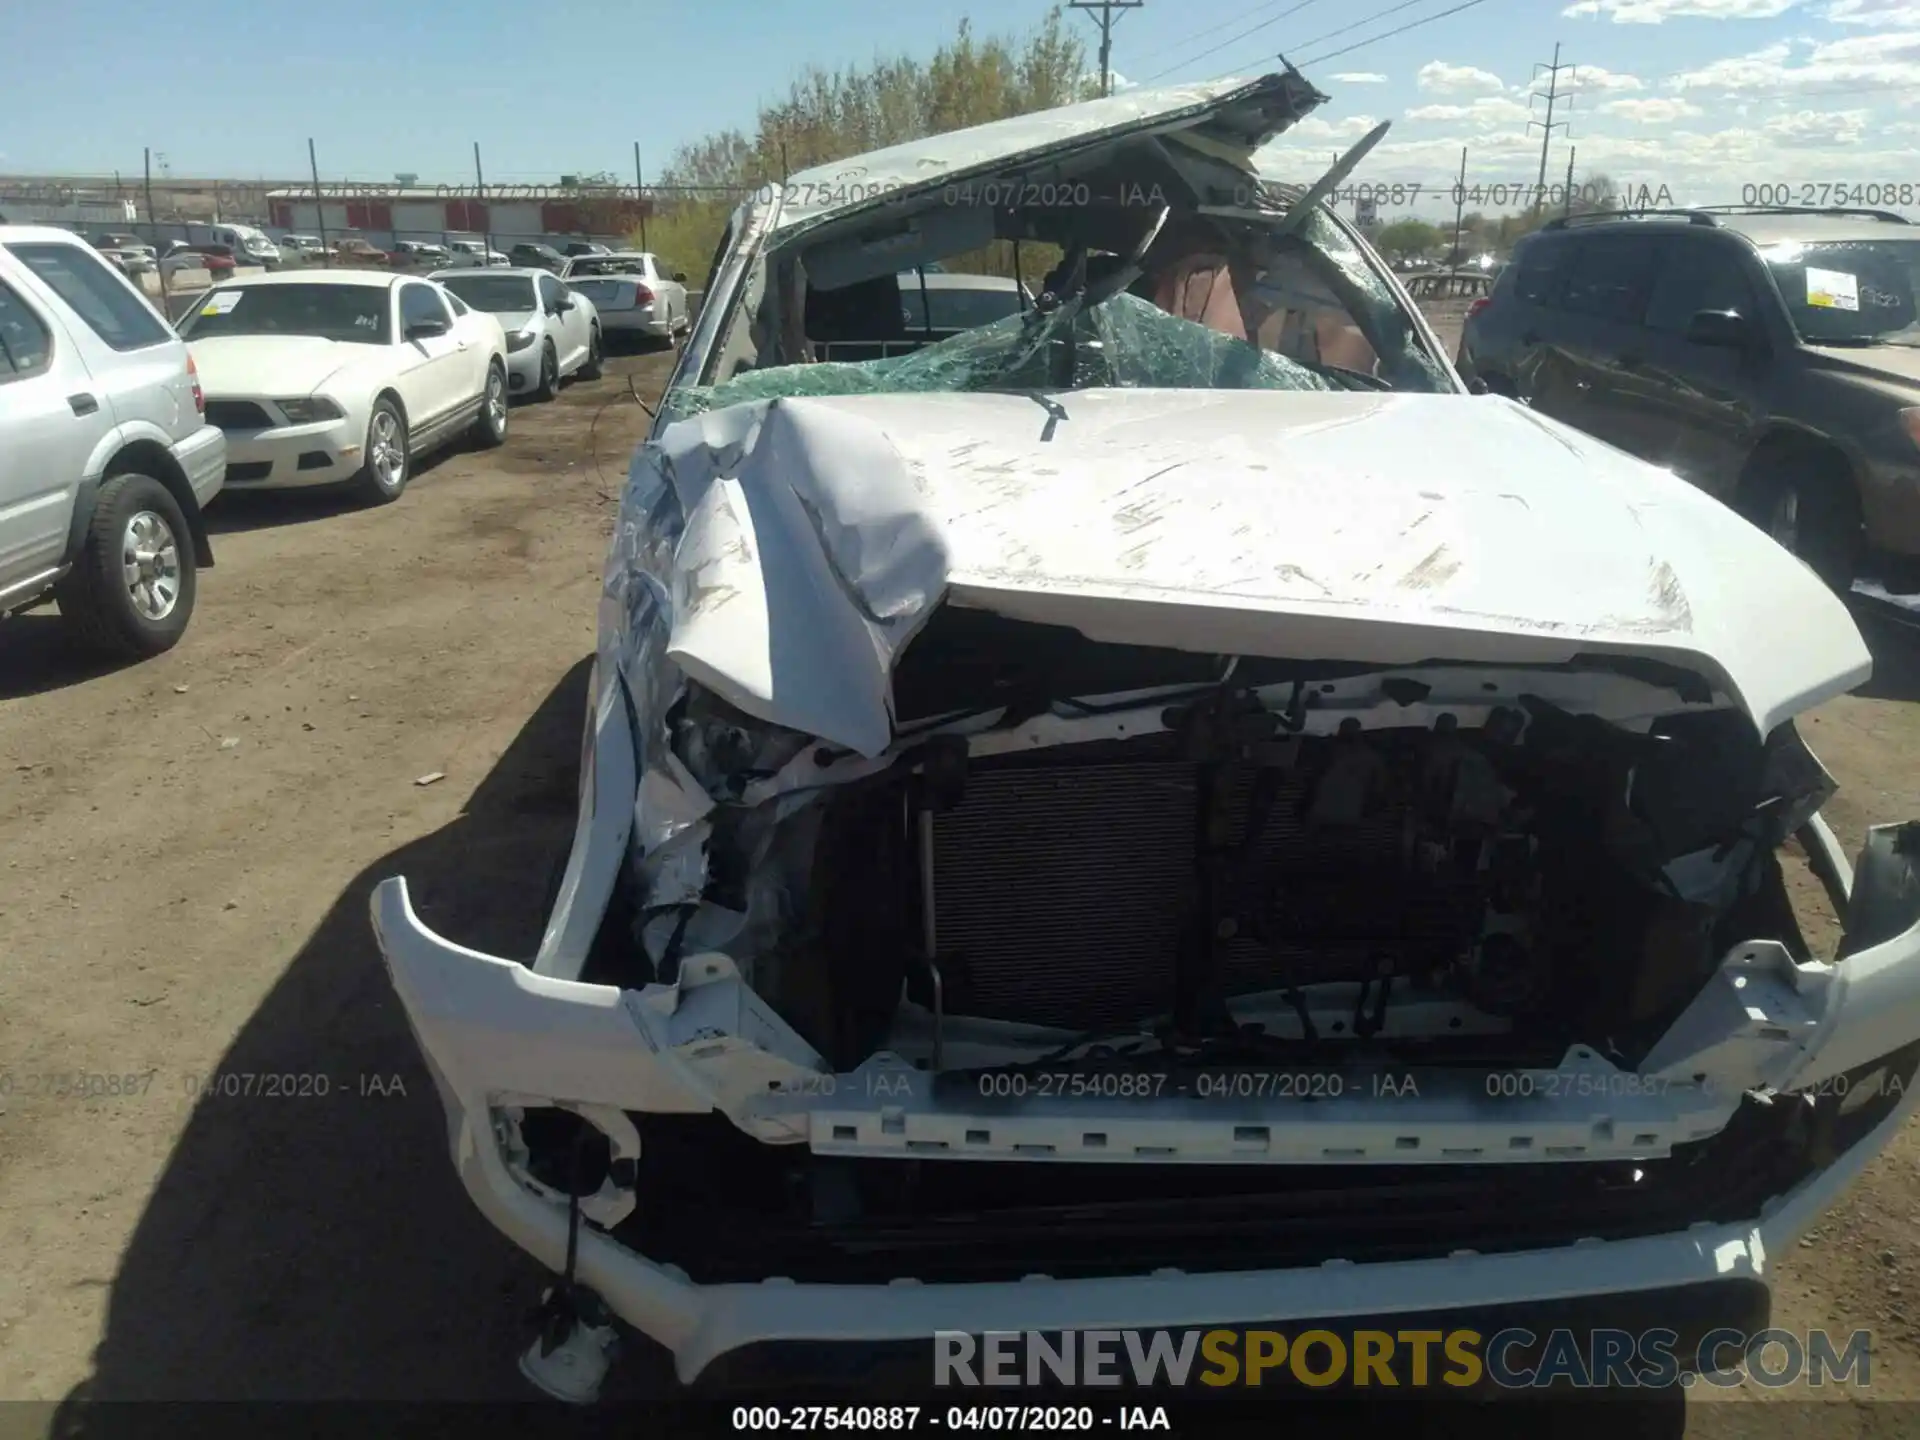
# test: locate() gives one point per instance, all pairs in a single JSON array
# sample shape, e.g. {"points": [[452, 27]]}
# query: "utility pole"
{"points": [[640, 193], [1459, 205], [480, 193], [1106, 14], [1549, 125], [319, 209], [153, 224]]}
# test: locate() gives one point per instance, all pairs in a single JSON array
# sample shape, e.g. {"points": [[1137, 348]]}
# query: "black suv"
{"points": [[1770, 356]]}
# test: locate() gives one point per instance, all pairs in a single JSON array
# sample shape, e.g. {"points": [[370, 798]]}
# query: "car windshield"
{"points": [[609, 265], [1237, 303], [496, 294], [354, 313], [1854, 292]]}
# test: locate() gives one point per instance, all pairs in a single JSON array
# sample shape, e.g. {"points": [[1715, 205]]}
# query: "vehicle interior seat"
{"points": [[863, 321]]}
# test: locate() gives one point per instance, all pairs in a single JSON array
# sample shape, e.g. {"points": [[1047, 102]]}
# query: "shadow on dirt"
{"points": [[235, 510], [321, 1247], [38, 655]]}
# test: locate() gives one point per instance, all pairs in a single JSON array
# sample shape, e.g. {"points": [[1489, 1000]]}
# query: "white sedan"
{"points": [[632, 293], [344, 376], [551, 332]]}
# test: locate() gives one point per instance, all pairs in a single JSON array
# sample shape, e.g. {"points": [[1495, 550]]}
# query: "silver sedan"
{"points": [[633, 294]]}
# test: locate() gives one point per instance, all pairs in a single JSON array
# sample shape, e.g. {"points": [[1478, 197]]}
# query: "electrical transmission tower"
{"points": [[1105, 13], [1549, 125]]}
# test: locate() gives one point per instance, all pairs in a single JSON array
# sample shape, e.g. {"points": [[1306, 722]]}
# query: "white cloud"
{"points": [[1874, 12], [1120, 82], [1655, 12], [1359, 77], [1351, 128], [1487, 113], [1445, 79], [1597, 80], [1884, 61], [1652, 111], [1819, 127]]}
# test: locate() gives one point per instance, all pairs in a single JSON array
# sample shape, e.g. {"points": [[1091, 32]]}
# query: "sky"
{"points": [[1706, 98]]}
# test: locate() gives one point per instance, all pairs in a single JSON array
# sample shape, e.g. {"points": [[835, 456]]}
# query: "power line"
{"points": [[1364, 20], [1105, 9], [1389, 34], [1231, 39]]}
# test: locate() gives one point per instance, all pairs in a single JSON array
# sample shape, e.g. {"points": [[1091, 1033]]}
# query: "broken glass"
{"points": [[1125, 342]]}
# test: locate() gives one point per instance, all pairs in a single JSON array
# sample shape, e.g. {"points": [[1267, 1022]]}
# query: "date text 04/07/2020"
{"points": [[912, 1419], [290, 1085], [1498, 193]]}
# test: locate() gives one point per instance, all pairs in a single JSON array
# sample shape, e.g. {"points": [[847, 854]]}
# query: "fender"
{"points": [[609, 778], [127, 433]]}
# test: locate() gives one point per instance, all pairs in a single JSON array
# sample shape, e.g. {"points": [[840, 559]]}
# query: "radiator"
{"points": [[1062, 893]]}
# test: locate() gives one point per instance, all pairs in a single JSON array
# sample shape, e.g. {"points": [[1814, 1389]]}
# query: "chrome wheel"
{"points": [[387, 450], [150, 565], [497, 403]]}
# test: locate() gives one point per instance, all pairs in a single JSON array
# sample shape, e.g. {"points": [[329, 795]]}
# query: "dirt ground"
{"points": [[186, 851]]}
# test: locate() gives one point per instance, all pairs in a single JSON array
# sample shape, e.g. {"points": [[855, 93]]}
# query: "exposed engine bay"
{"points": [[1287, 860]]}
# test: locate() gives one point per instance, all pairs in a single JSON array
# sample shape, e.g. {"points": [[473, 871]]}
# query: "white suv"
{"points": [[105, 454]]}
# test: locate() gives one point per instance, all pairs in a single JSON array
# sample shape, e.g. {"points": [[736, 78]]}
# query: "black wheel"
{"points": [[388, 466], [594, 367], [1806, 502], [130, 592], [490, 425], [549, 374]]}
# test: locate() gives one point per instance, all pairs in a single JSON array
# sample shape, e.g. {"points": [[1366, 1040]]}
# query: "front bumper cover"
{"points": [[496, 1033]]}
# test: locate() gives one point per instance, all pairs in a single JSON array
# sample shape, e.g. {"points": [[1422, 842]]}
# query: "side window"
{"points": [[1695, 275], [1612, 279], [418, 304], [111, 308], [1540, 272], [550, 292], [459, 305], [26, 346]]}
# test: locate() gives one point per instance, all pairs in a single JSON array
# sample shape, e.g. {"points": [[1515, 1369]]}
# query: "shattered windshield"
{"points": [[1125, 342], [1206, 307]]}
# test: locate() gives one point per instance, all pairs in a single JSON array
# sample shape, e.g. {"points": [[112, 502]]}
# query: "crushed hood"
{"points": [[1232, 117], [1372, 528]]}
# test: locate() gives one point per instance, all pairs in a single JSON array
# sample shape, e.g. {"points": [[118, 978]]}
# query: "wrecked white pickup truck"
{"points": [[1161, 809]]}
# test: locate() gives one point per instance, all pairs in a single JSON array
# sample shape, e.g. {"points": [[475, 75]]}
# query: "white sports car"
{"points": [[346, 376]]}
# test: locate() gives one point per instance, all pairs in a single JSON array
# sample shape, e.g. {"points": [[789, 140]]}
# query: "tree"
{"points": [[1408, 237], [826, 116]]}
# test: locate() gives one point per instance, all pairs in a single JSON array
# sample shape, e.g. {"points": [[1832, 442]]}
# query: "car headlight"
{"points": [[519, 340], [305, 412]]}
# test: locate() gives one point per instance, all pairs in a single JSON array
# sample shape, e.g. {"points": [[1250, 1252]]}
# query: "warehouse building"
{"points": [[551, 214]]}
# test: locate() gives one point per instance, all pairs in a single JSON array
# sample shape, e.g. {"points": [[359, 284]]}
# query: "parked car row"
{"points": [[116, 430]]}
